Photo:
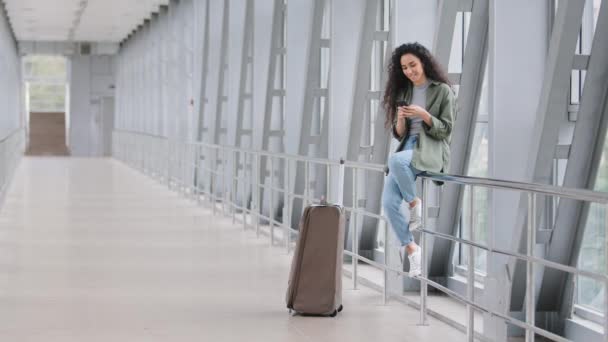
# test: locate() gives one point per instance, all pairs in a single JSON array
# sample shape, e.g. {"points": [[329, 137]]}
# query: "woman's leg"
{"points": [[391, 201], [399, 167], [405, 178]]}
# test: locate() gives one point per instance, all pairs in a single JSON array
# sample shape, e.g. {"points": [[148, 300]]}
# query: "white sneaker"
{"points": [[415, 263], [416, 216]]}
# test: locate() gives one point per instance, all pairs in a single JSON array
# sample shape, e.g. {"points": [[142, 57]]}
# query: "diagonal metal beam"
{"points": [[462, 138], [444, 34], [275, 68], [246, 79], [163, 52], [173, 20], [581, 172], [378, 151], [157, 95], [244, 135], [312, 93], [542, 150], [222, 98], [202, 129]]}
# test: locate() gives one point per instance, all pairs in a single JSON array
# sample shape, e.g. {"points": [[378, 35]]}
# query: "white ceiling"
{"points": [[78, 20]]}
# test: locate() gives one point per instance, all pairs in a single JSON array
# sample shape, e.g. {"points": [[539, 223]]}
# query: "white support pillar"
{"points": [[517, 54]]}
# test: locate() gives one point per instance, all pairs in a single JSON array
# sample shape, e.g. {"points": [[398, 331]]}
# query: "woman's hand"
{"points": [[401, 113], [414, 111]]}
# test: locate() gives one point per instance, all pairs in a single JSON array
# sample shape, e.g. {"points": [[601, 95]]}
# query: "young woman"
{"points": [[419, 105]]}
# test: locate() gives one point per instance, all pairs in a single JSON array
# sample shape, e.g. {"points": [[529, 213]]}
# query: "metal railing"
{"points": [[11, 150], [210, 171]]}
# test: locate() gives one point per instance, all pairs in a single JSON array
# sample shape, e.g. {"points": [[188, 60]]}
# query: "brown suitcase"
{"points": [[315, 279]]}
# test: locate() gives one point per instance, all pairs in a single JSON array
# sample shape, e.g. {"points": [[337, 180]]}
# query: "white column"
{"points": [[517, 52]]}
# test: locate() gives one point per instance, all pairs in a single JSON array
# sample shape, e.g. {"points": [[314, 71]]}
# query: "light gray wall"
{"points": [[11, 100], [91, 79], [415, 21]]}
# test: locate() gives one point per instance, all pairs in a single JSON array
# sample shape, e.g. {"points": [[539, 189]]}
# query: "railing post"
{"points": [[305, 200], [385, 271], [179, 172], [244, 199], [169, 162], [423, 263], [287, 207], [197, 173], [257, 195], [233, 190], [328, 182], [606, 272], [271, 195], [530, 283], [166, 161], [223, 188], [182, 168], [189, 168], [213, 188], [471, 269], [353, 215]]}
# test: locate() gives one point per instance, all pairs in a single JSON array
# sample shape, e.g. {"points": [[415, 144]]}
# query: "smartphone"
{"points": [[402, 103]]}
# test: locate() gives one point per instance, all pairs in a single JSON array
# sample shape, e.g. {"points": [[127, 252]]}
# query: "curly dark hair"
{"points": [[397, 81]]}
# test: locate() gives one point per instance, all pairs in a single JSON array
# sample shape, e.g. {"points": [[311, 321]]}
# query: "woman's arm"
{"points": [[440, 127], [399, 128], [400, 123]]}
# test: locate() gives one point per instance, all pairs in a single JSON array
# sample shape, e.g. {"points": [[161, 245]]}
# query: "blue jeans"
{"points": [[400, 185]]}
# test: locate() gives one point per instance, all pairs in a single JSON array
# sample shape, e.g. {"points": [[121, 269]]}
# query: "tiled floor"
{"points": [[91, 250]]}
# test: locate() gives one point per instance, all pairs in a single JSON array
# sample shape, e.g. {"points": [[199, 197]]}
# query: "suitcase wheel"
{"points": [[340, 308], [333, 314]]}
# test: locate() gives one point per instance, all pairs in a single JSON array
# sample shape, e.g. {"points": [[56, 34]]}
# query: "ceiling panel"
{"points": [[90, 20]]}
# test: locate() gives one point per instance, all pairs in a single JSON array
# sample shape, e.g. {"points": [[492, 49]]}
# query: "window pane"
{"points": [[47, 77], [592, 257], [478, 167], [47, 98], [484, 99], [575, 83], [456, 53], [596, 12], [46, 67]]}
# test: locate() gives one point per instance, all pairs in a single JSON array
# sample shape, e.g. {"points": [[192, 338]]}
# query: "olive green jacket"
{"points": [[433, 150]]}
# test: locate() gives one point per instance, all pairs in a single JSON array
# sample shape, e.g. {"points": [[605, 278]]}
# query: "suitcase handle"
{"points": [[340, 199]]}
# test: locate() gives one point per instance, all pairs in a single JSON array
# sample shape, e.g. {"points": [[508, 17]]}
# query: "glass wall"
{"points": [[478, 163], [592, 257], [590, 293]]}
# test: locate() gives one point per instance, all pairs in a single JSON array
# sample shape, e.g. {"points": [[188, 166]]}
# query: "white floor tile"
{"points": [[91, 250]]}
